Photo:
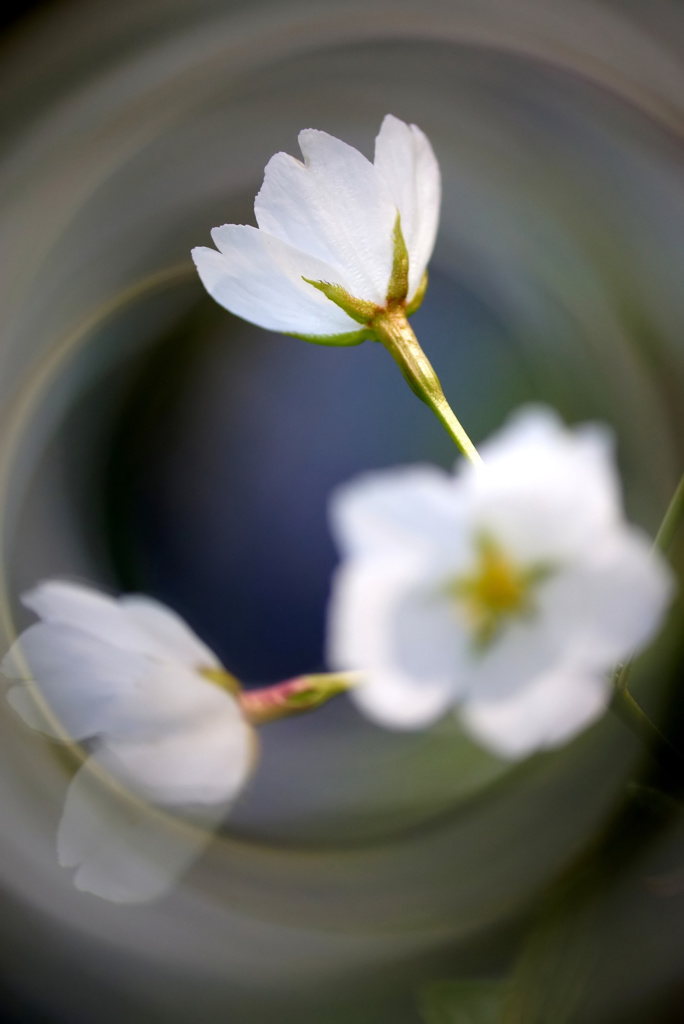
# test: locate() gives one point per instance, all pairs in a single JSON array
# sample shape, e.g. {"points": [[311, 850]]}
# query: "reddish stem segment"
{"points": [[294, 696]]}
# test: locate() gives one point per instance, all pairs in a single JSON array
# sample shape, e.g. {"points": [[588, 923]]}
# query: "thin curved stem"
{"points": [[632, 714], [392, 328], [672, 520], [623, 703]]}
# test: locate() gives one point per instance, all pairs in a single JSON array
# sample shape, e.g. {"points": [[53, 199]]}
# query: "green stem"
{"points": [[672, 520], [623, 703], [394, 331], [625, 707], [294, 696]]}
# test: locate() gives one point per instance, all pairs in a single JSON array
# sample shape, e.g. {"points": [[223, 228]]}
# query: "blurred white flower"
{"points": [[508, 591], [129, 678], [327, 255]]}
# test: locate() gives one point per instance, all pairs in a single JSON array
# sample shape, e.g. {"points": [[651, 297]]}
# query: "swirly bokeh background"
{"points": [[152, 442]]}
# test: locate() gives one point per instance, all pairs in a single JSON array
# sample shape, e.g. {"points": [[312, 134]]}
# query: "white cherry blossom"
{"points": [[507, 591], [330, 219], [169, 748]]}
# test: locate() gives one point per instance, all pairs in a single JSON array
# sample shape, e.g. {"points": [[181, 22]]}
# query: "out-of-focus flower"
{"points": [[339, 238], [507, 590], [155, 709]]}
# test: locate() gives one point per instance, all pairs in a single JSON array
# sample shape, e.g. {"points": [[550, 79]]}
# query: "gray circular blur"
{"points": [[359, 863]]}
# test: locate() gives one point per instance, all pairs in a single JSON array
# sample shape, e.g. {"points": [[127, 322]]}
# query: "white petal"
{"points": [[166, 697], [403, 641], [405, 161], [610, 605], [525, 648], [205, 763], [335, 207], [80, 676], [414, 506], [123, 850], [172, 633], [546, 713], [288, 206], [392, 700], [93, 688], [181, 739], [259, 278], [594, 613], [89, 611], [544, 491], [30, 704]]}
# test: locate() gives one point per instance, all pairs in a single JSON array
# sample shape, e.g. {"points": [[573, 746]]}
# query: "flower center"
{"points": [[496, 591]]}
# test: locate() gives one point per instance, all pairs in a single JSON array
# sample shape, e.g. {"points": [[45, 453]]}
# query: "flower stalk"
{"points": [[392, 329], [635, 718], [294, 696], [623, 703], [672, 520]]}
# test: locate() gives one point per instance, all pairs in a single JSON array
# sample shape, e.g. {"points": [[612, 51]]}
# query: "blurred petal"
{"points": [[197, 748], [89, 611], [260, 278], [402, 640], [614, 601], [407, 164], [29, 704], [394, 702], [172, 632], [545, 713], [413, 504], [526, 647], [545, 491], [165, 699], [205, 763], [80, 676], [123, 850]]}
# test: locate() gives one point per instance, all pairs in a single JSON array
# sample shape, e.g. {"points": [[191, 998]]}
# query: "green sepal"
{"points": [[225, 680], [360, 310], [397, 290], [417, 299], [353, 338]]}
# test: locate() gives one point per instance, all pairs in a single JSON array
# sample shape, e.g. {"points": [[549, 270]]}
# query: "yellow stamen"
{"points": [[495, 592]]}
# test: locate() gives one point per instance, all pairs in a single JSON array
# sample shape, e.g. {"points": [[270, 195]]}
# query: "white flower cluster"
{"points": [[508, 591], [130, 679], [505, 591]]}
